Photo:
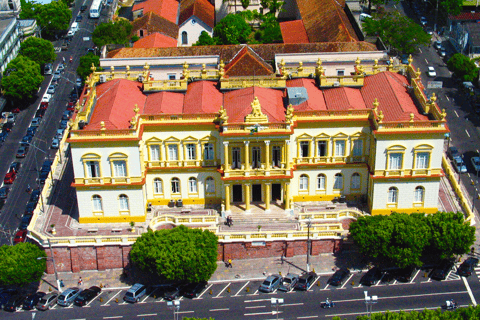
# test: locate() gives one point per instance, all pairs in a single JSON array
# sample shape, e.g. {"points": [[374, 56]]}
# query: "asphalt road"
{"points": [[218, 302]]}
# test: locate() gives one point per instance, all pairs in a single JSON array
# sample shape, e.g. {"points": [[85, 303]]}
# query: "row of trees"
{"points": [[404, 239], [51, 17]]}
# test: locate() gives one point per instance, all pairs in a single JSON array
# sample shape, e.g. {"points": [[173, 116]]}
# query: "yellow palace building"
{"points": [[298, 135]]}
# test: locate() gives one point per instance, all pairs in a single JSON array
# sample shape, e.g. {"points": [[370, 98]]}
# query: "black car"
{"points": [[3, 136], [371, 277], [86, 295], [339, 277], [5, 296], [15, 166], [78, 18], [26, 140], [15, 302], [4, 192], [192, 290], [30, 207], [467, 267], [31, 130], [405, 274], [32, 299], [83, 8], [39, 114], [305, 281], [25, 222], [34, 195], [171, 293], [46, 166], [43, 176], [7, 127], [441, 271]]}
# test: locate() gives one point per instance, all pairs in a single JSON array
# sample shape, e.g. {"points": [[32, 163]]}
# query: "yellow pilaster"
{"points": [[267, 197], [247, 197], [267, 155], [162, 153], [227, 197], [181, 152], [247, 155], [287, 155], [287, 195], [198, 151], [226, 166]]}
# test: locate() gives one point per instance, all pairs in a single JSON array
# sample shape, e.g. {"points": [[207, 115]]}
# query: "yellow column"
{"points": [[267, 197], [247, 156], [247, 198], [226, 165], [287, 195], [267, 156], [227, 198], [287, 154], [162, 153], [198, 155]]}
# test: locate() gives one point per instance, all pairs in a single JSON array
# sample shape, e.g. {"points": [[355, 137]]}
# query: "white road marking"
{"points": [[106, 303], [88, 304], [218, 295], [185, 311], [257, 300], [307, 317], [469, 291], [343, 285], [224, 309], [468, 134], [242, 288], [416, 274], [313, 283], [456, 113], [115, 317], [426, 61], [420, 50], [205, 291], [447, 97], [293, 304], [147, 315], [259, 313], [149, 295], [255, 293], [255, 307]]}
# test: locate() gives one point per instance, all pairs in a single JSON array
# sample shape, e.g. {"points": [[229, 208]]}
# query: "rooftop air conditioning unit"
{"points": [[103, 78], [336, 84]]}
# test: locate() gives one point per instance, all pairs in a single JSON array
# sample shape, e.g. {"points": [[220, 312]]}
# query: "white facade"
{"points": [[9, 42], [190, 30]]}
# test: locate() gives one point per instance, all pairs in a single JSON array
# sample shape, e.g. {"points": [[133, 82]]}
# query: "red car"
{"points": [[16, 110], [20, 236], [10, 177]]}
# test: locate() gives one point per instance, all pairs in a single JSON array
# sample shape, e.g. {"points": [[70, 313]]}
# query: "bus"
{"points": [[96, 8]]}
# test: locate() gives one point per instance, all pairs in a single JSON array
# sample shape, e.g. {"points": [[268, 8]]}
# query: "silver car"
{"points": [[67, 297], [271, 283], [289, 282]]}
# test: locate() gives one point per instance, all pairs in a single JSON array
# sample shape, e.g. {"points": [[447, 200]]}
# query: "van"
{"points": [[74, 27], [134, 294], [364, 16]]}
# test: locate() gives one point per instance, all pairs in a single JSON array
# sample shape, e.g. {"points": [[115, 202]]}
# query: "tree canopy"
{"points": [[269, 31], [233, 29], [403, 239], [39, 50], [205, 40], [177, 254], [21, 78], [452, 7], [463, 67], [54, 16], [398, 32], [85, 66], [30, 9], [117, 32], [19, 264]]}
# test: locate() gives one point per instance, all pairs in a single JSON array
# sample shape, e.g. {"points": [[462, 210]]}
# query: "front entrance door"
{"points": [[237, 193], [256, 192], [276, 191]]}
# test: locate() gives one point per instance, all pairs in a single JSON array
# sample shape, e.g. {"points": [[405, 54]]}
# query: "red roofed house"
{"points": [[293, 32], [195, 17], [167, 9], [155, 40]]}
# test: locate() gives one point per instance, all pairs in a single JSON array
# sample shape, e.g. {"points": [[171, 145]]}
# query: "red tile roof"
{"points": [[152, 23], [315, 101], [116, 100], [294, 32], [164, 102], [156, 40], [326, 21], [343, 99], [391, 91], [247, 62], [166, 9], [202, 9], [237, 103], [203, 97], [466, 16]]}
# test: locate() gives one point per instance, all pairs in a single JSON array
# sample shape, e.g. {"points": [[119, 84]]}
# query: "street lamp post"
{"points": [[38, 172], [276, 302], [175, 306], [447, 137], [309, 224], [52, 258], [369, 302]]}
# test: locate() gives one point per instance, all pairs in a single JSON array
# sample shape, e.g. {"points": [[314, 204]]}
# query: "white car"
{"points": [[46, 98], [476, 163], [431, 72], [423, 21]]}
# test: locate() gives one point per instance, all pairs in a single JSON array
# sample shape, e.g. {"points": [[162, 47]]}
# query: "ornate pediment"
{"points": [[256, 116]]}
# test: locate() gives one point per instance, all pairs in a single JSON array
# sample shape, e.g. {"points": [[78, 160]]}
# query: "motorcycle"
{"points": [[450, 305], [327, 304]]}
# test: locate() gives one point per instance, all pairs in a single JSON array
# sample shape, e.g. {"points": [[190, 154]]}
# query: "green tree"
{"points": [[39, 50], [117, 32], [233, 29], [270, 30], [245, 3], [449, 234], [398, 32], [463, 67], [20, 264], [177, 254], [21, 78], [273, 6], [85, 65], [452, 7], [54, 16], [205, 40], [30, 9]]}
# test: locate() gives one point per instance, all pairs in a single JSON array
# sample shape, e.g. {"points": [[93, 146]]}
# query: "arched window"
{"points": [[97, 203], [184, 37], [321, 181], [192, 185], [210, 185], [338, 183], [123, 200], [175, 185], [157, 185], [393, 195], [419, 194], [303, 182], [355, 183]]}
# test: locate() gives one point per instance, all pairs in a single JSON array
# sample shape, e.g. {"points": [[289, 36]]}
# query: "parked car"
{"points": [[20, 236], [26, 140], [11, 118], [51, 89], [305, 281], [59, 134], [57, 74], [135, 293], [86, 295], [25, 222], [65, 45], [30, 207], [4, 192], [55, 143], [405, 274], [288, 282], [271, 283], [66, 115], [5, 296], [83, 8], [32, 130], [431, 71], [39, 113], [35, 195], [423, 21], [70, 106], [48, 69], [67, 297], [10, 177], [63, 124], [452, 152], [192, 290], [78, 18], [14, 303], [441, 271], [61, 67], [46, 98], [47, 301], [7, 127], [79, 82], [32, 299], [371, 277], [459, 164], [442, 51], [3, 136], [339, 277], [46, 165], [42, 177], [438, 44], [476, 163], [15, 166], [35, 122], [171, 292], [467, 267], [22, 152]]}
